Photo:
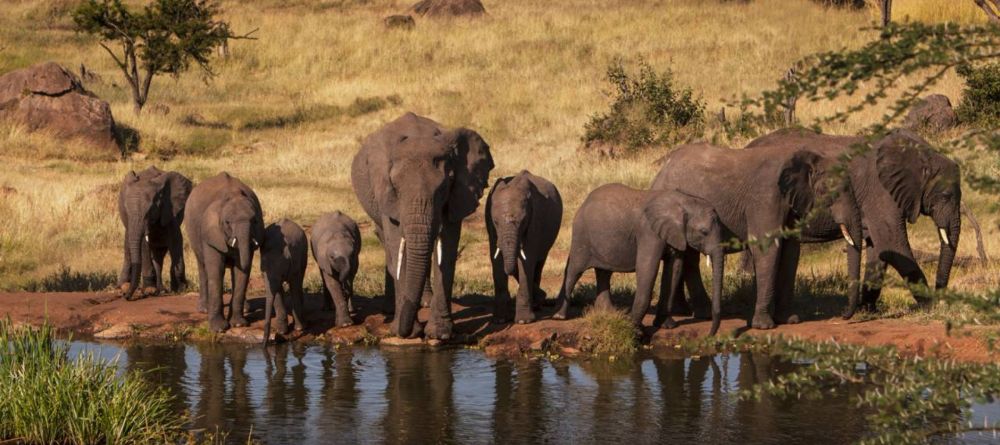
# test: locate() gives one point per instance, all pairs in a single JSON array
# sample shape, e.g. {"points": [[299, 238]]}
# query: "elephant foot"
{"points": [[344, 320], [440, 330], [218, 324], [524, 317], [848, 312], [561, 314], [792, 319], [603, 303], [237, 321], [202, 308], [416, 332], [762, 321], [280, 326], [425, 300], [668, 323]]}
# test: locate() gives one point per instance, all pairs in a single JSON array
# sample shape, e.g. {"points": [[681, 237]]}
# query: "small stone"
{"points": [[115, 332], [396, 341]]}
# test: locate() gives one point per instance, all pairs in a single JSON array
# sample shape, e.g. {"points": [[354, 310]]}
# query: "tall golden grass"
{"points": [[527, 77]]}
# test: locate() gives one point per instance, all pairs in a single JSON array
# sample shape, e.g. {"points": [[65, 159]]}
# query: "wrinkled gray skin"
{"points": [[283, 257], [673, 223], [225, 224], [151, 207], [900, 177], [336, 243], [417, 181], [523, 215], [756, 193], [604, 239]]}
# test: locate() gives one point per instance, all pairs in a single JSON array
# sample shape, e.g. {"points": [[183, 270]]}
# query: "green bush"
{"points": [[46, 398], [981, 98], [648, 110], [608, 333]]}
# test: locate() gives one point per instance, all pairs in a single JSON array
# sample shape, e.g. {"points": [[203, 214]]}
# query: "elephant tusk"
{"points": [[523, 256], [399, 256], [847, 236], [255, 243], [944, 236], [777, 242], [146, 238], [439, 251], [496, 254], [232, 242], [708, 261]]}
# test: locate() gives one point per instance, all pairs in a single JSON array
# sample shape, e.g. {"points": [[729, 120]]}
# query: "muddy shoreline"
{"points": [[105, 316]]}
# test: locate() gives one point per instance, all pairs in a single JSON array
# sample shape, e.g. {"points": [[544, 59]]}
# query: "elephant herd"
{"points": [[418, 180]]}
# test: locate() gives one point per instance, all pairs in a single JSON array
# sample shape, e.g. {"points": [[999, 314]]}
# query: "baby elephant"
{"points": [[336, 243], [283, 258], [523, 214], [672, 223]]}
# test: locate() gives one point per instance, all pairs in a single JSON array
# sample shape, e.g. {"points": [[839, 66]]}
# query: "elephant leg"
{"points": [[538, 295], [647, 264], [766, 267], [673, 271], [785, 292], [525, 284], [574, 270], [872, 286], [700, 303], [240, 280], [443, 281], [158, 254], [280, 307], [214, 272], [336, 289], [297, 302], [327, 295], [202, 285], [603, 301], [178, 277], [149, 271], [501, 293], [854, 288], [389, 299], [126, 272]]}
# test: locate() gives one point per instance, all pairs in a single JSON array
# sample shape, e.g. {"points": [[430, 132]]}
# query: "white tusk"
{"points": [[232, 242], [944, 236], [255, 243], [147, 238], [496, 254], [708, 261], [439, 251], [523, 256], [399, 256], [777, 242], [847, 236]]}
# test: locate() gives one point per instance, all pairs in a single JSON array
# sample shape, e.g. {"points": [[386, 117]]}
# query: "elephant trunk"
{"points": [[718, 267], [419, 240], [244, 248], [949, 244], [508, 243], [134, 238]]}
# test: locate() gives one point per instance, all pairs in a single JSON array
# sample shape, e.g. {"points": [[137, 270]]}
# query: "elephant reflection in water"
{"points": [[518, 414], [339, 398], [224, 395], [419, 395], [164, 366], [286, 399]]}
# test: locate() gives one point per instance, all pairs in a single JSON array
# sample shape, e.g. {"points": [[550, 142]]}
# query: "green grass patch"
{"points": [[608, 333]]}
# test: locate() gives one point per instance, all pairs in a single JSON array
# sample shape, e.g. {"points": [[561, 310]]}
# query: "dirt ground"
{"points": [[174, 318]]}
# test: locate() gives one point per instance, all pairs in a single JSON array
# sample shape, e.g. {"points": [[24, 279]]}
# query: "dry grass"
{"points": [[935, 11], [527, 77]]}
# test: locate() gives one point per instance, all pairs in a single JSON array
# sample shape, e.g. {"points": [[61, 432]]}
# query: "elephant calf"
{"points": [[283, 257], [673, 223], [336, 244], [523, 215]]}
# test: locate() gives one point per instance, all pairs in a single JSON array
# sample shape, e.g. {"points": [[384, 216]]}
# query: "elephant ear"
{"points": [[900, 163], [386, 196], [211, 226], [798, 176], [667, 220], [471, 164], [177, 190]]}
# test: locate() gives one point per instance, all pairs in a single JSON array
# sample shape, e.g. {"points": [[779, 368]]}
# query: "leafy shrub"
{"points": [[608, 333], [981, 98], [648, 110]]}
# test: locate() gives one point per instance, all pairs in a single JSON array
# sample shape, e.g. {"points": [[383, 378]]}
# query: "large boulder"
{"points": [[933, 113], [448, 8], [47, 97]]}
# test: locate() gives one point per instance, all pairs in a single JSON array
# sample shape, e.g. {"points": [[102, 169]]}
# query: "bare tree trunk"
{"points": [[886, 7], [979, 234], [790, 101], [990, 7]]}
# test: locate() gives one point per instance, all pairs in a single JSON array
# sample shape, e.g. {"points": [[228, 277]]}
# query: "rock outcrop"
{"points": [[47, 97], [933, 113]]}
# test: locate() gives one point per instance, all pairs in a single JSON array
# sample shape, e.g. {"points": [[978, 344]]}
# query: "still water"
{"points": [[297, 394]]}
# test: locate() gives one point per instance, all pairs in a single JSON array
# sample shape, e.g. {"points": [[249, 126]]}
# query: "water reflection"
{"points": [[297, 394]]}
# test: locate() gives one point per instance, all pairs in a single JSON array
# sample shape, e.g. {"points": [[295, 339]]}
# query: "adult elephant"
{"points": [[417, 181], [225, 225], [895, 179], [151, 207], [756, 194]]}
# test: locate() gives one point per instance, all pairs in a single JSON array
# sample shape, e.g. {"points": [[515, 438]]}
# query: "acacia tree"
{"points": [[165, 37]]}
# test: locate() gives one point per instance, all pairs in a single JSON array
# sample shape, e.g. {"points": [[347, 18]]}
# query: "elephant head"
{"points": [[815, 189], [149, 198], [337, 253], [683, 221], [235, 225], [922, 181], [433, 176], [510, 212]]}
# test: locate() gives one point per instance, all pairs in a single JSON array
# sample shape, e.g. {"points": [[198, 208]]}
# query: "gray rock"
{"points": [[933, 113]]}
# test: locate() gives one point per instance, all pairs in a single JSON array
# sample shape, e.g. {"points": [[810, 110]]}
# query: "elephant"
{"points": [[671, 224], [523, 215], [417, 181], [224, 227], [151, 207], [757, 194], [895, 180], [336, 244], [283, 258], [604, 239]]}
